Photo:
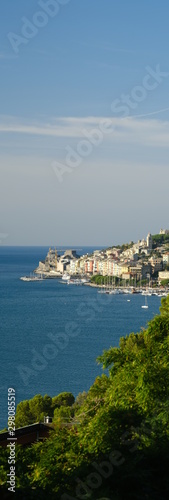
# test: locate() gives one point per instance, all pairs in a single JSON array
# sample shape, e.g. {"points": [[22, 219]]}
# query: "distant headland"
{"points": [[144, 261]]}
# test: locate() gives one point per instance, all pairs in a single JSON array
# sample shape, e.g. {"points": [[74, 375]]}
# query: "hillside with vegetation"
{"points": [[160, 239], [109, 443]]}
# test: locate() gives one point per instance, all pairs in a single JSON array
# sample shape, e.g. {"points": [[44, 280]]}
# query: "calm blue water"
{"points": [[32, 312]]}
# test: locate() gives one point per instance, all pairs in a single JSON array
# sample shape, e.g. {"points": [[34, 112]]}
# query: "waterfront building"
{"points": [[105, 267], [116, 269], [140, 270], [96, 265], [156, 264], [126, 276], [67, 261], [63, 265], [81, 265], [123, 268], [72, 268], [110, 267], [89, 266]]}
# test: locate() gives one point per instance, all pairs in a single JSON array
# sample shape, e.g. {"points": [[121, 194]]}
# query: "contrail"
{"points": [[150, 114]]}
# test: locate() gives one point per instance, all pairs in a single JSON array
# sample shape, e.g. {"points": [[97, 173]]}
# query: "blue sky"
{"points": [[65, 178]]}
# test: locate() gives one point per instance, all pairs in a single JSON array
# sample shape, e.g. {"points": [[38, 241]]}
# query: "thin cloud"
{"points": [[153, 132]]}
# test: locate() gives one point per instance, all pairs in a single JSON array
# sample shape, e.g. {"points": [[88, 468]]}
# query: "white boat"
{"points": [[163, 294], [31, 278], [146, 304], [147, 292], [75, 281], [113, 292], [65, 277]]}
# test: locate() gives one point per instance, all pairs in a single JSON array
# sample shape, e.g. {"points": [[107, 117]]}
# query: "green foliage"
{"points": [[126, 246], [63, 415], [165, 282], [164, 309], [79, 401], [47, 404], [159, 239], [106, 280], [96, 279], [34, 410], [99, 279], [36, 407], [23, 414], [63, 399]]}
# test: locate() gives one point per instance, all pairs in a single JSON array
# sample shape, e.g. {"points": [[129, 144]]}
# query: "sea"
{"points": [[51, 334]]}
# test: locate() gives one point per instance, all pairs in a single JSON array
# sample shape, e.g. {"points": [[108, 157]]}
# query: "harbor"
{"points": [[132, 268]]}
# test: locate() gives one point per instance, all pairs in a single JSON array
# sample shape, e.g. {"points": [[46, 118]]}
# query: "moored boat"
{"points": [[31, 278]]}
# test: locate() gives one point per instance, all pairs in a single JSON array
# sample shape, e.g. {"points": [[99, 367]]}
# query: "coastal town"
{"points": [[144, 262]]}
